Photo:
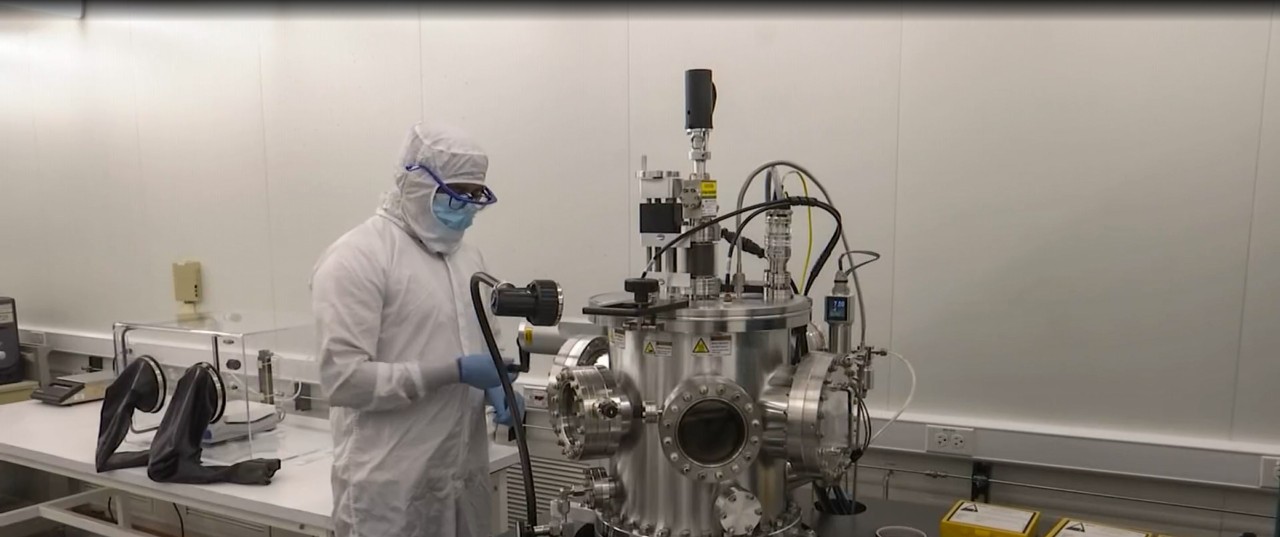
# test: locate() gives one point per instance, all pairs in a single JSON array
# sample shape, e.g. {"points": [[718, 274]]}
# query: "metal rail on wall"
{"points": [[978, 480]]}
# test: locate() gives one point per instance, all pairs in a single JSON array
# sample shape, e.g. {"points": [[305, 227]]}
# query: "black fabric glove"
{"points": [[136, 387], [175, 451]]}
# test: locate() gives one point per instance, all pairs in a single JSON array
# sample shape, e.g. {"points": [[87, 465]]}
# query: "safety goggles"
{"points": [[460, 194]]}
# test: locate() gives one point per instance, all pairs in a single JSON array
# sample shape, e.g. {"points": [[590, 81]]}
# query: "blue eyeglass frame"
{"points": [[458, 200]]}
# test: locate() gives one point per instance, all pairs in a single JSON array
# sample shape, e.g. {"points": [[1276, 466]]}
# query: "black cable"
{"points": [[826, 251], [824, 500], [717, 220], [517, 423], [864, 415], [110, 515], [802, 201], [842, 501], [181, 523], [819, 263]]}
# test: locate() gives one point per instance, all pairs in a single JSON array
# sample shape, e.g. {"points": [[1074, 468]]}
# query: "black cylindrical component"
{"points": [[522, 445], [699, 99], [540, 302], [701, 259]]}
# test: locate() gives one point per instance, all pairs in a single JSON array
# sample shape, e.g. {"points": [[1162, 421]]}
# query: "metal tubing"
{"points": [[266, 377], [857, 286], [937, 474]]}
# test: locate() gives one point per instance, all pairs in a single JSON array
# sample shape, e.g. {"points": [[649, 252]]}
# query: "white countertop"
{"points": [[62, 440]]}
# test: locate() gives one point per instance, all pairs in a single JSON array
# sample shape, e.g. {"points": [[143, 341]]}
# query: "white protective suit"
{"points": [[393, 313]]}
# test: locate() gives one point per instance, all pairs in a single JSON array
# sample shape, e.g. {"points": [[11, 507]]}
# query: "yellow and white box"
{"points": [[976, 519], [1072, 527]]}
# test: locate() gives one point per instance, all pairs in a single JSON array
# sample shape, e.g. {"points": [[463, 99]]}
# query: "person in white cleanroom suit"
{"points": [[402, 359]]}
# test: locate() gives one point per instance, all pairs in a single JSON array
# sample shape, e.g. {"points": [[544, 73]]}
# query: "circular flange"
{"points": [[589, 414], [579, 351], [734, 452], [740, 511], [161, 381], [816, 377], [220, 392]]}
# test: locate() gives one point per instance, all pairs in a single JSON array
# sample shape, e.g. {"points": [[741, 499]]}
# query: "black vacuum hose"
{"points": [[517, 421]]}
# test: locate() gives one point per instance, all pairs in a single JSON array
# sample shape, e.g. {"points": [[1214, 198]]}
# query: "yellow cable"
{"points": [[808, 253]]}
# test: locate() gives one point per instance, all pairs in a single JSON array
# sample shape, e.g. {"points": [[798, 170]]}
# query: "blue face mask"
{"points": [[455, 219]]}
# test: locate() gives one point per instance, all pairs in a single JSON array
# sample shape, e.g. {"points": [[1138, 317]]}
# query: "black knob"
{"points": [[642, 288], [608, 408]]}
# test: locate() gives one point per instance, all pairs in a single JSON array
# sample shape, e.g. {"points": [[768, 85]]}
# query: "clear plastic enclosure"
{"points": [[258, 362]]}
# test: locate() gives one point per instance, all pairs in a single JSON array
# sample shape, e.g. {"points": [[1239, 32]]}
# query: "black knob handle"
{"points": [[642, 288], [608, 408]]}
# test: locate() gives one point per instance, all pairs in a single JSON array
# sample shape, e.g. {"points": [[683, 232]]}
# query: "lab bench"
{"points": [[62, 441]]}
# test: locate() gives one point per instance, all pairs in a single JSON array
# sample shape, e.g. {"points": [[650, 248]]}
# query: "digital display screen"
{"points": [[837, 308]]}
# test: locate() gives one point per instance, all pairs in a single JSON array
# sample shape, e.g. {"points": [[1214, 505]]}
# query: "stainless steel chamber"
{"points": [[710, 400]]}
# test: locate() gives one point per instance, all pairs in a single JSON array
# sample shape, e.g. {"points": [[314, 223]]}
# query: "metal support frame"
{"points": [[59, 511], [944, 475], [109, 487]]}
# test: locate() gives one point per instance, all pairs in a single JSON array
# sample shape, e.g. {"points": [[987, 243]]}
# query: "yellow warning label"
{"points": [[648, 348], [708, 189], [700, 347]]}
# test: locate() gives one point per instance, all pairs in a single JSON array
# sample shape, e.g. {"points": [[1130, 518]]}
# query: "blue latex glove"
{"points": [[497, 399], [477, 370]]}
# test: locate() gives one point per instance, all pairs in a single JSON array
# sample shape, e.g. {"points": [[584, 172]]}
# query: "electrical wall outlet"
{"points": [[949, 440], [1269, 476]]}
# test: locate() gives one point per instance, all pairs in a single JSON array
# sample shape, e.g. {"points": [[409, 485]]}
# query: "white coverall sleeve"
{"points": [[346, 298]]}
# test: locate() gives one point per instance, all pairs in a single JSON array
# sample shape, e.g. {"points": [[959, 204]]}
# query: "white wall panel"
{"points": [[546, 96], [21, 275], [203, 171], [1257, 408], [339, 95], [1073, 206], [87, 150]]}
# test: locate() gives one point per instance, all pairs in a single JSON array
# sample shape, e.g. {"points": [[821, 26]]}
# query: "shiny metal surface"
{"points": [[577, 351], [841, 337], [548, 339], [810, 417], [651, 365], [739, 511], [588, 412], [736, 315], [777, 246]]}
